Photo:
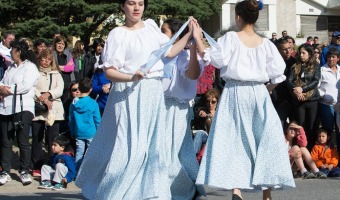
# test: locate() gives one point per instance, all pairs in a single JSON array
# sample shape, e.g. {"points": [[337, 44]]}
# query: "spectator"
{"points": [[48, 91], [273, 39], [296, 141], [317, 52], [29, 42], [84, 119], [204, 112], [39, 45], [16, 118], [62, 168], [334, 42], [316, 42], [326, 157], [284, 34], [101, 88], [64, 62], [78, 58], [280, 95], [328, 89], [291, 42], [5, 49], [91, 60], [309, 40], [303, 82]]}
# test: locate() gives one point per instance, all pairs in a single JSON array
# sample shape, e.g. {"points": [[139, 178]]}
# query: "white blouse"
{"points": [[26, 76], [127, 51], [239, 62], [180, 87]]}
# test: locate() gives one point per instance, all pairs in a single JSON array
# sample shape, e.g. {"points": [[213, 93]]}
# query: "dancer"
{"points": [[179, 90], [246, 133], [127, 157]]}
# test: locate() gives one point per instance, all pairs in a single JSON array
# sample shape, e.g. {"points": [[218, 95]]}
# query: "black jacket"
{"points": [[311, 80]]}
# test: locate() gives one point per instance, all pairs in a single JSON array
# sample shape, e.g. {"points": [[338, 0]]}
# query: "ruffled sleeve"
{"points": [[219, 55], [113, 54], [275, 64]]}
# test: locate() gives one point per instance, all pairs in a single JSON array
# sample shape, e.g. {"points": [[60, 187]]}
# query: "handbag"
{"points": [[17, 117], [39, 107]]}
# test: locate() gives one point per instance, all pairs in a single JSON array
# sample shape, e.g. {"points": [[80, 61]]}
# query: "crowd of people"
{"points": [[93, 113]]}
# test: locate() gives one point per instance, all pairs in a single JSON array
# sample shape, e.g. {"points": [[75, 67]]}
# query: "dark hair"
{"points": [[71, 85], [7, 33], [333, 51], [77, 51], [25, 52], [212, 92], [58, 39], [309, 38], [289, 37], [248, 10], [325, 130], [96, 43], [38, 42], [175, 25], [281, 41], [316, 37], [146, 3], [63, 141], [284, 31], [310, 63], [85, 85]]}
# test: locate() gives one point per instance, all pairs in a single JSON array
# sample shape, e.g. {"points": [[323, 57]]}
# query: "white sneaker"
{"points": [[25, 178], [4, 178]]}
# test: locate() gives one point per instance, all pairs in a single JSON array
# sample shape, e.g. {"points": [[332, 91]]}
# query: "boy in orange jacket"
{"points": [[325, 157]]}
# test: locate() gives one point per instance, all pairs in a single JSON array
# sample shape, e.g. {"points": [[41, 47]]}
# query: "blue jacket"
{"points": [[84, 117], [98, 80], [323, 56], [68, 162]]}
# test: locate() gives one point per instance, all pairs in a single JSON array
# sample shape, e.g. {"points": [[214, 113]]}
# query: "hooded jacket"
{"points": [[84, 117]]}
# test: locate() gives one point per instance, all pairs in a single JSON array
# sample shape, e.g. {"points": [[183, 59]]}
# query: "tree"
{"points": [[81, 18]]}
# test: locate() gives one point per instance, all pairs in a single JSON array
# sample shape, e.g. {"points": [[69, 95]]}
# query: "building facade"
{"points": [[300, 18]]}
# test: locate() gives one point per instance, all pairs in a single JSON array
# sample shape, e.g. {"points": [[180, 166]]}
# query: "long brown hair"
{"points": [[310, 67]]}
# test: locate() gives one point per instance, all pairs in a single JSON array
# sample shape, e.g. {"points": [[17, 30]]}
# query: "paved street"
{"points": [[328, 189]]}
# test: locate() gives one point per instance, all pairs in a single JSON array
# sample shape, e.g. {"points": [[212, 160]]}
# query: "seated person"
{"points": [[326, 157], [296, 141], [62, 168]]}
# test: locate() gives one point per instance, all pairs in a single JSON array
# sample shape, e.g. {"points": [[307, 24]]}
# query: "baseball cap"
{"points": [[336, 34]]}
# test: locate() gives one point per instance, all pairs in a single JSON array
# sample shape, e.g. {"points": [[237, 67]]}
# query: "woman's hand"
{"points": [[300, 97], [137, 76], [202, 114], [49, 104], [106, 88], [62, 68], [297, 90], [5, 90], [44, 96]]}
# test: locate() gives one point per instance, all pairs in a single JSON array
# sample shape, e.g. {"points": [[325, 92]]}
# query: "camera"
{"points": [[18, 125]]}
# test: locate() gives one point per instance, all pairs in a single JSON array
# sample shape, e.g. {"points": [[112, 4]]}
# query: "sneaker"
{"points": [[25, 178], [308, 175], [58, 186], [4, 178], [36, 173], [45, 185], [320, 175]]}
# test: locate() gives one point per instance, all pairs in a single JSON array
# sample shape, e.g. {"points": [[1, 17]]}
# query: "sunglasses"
{"points": [[74, 89], [317, 52], [212, 102]]}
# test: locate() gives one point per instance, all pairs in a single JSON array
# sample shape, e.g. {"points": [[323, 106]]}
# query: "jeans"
{"points": [[335, 172], [200, 138], [81, 144]]}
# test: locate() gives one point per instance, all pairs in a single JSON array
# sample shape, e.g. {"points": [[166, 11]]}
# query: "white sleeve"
{"points": [[113, 54], [275, 64]]}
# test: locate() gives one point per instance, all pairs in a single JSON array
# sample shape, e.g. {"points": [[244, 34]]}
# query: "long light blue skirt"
{"points": [[127, 157], [246, 147], [183, 167]]}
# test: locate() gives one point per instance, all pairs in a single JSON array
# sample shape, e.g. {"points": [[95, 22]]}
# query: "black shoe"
{"points": [[236, 197]]}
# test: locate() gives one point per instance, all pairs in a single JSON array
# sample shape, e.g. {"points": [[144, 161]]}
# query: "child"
{"points": [[296, 141], [325, 157], [62, 166], [84, 118]]}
